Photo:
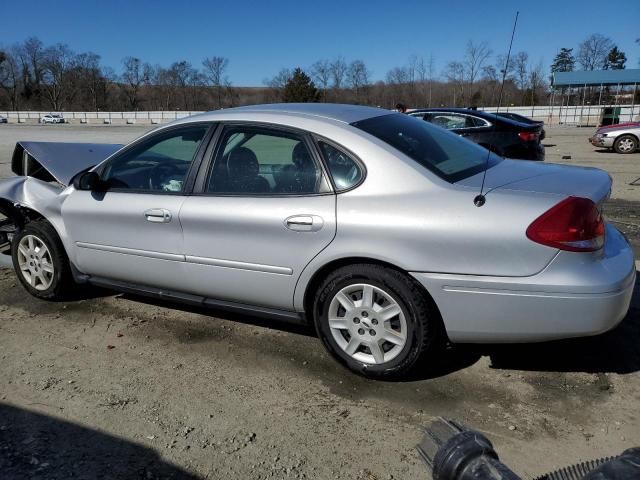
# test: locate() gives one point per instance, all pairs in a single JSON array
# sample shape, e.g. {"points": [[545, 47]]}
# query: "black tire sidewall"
{"points": [[396, 288], [49, 237]]}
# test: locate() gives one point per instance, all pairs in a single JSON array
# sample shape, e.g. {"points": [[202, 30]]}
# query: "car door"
{"points": [[264, 211], [130, 230]]}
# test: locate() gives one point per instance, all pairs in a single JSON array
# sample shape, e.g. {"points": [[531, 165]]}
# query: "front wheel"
{"points": [[376, 321], [41, 263], [625, 144]]}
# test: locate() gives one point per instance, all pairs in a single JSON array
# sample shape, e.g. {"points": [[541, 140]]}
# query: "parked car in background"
{"points": [[522, 119], [354, 220], [623, 138], [52, 118], [3, 119], [503, 136]]}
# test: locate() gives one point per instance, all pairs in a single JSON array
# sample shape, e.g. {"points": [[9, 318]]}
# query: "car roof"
{"points": [[331, 111]]}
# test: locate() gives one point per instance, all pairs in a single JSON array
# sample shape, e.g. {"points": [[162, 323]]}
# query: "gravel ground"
{"points": [[116, 386]]}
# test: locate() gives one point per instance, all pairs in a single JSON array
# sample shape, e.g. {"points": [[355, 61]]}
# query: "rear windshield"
{"points": [[444, 153]]}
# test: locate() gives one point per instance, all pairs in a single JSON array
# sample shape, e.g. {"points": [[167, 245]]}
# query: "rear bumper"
{"points": [[533, 151], [575, 295], [604, 142]]}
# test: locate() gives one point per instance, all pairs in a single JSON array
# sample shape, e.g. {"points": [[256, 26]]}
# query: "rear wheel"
{"points": [[376, 321], [626, 144], [41, 262]]}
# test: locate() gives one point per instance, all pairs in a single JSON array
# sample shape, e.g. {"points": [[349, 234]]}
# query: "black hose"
{"points": [[574, 472]]}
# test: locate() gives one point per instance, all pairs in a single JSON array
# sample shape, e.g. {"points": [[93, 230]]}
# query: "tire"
{"points": [[415, 330], [625, 144], [41, 263]]}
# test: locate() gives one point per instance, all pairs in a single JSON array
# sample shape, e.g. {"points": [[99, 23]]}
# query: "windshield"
{"points": [[444, 153]]}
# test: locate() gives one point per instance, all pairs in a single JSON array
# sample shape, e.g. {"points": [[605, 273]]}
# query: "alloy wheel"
{"points": [[36, 263], [626, 145], [367, 323]]}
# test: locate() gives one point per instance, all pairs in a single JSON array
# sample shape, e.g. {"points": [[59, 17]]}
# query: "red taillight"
{"points": [[528, 136], [574, 224]]}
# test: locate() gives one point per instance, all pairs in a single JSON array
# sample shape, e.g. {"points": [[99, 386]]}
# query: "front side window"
{"points": [[444, 153], [256, 161], [159, 164], [344, 170]]}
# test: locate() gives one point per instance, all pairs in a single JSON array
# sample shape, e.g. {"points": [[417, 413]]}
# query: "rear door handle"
{"points": [[158, 215], [304, 223]]}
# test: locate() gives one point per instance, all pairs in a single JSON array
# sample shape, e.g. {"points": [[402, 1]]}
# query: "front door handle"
{"points": [[304, 223], [158, 215]]}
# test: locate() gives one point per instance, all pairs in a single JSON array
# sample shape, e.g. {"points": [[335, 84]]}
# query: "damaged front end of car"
{"points": [[43, 171]]}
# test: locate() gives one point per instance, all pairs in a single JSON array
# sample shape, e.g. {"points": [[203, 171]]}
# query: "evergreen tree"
{"points": [[300, 88], [564, 61], [615, 59]]}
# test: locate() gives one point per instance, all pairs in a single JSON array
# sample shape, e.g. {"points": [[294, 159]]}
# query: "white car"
{"points": [[52, 118]]}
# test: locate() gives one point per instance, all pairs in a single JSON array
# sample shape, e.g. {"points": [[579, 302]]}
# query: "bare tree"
{"points": [[358, 77], [214, 71], [592, 53], [536, 82], [520, 68], [338, 72], [321, 74], [90, 77], [58, 83], [10, 75], [279, 81], [474, 59], [34, 57], [184, 78], [134, 76], [455, 74], [431, 72], [421, 76]]}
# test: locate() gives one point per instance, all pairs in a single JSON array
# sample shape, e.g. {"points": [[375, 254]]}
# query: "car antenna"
{"points": [[480, 199]]}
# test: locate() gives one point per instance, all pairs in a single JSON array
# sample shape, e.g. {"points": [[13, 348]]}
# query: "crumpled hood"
{"points": [[547, 178], [58, 161]]}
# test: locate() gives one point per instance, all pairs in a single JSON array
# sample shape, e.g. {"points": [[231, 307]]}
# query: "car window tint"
{"points": [[476, 122], [159, 164], [444, 153], [343, 169], [263, 162], [448, 120]]}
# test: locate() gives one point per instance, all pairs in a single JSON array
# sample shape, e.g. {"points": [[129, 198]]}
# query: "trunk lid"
{"points": [[547, 178]]}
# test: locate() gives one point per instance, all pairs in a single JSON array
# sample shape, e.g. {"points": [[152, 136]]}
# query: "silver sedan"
{"points": [[622, 138], [390, 235]]}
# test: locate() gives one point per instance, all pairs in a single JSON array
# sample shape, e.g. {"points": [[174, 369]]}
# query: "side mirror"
{"points": [[86, 181]]}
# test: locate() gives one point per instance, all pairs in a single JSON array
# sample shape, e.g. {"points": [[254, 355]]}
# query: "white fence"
{"points": [[587, 115], [101, 117], [581, 115]]}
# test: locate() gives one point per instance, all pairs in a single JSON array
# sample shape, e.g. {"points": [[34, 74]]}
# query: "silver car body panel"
{"points": [[241, 249], [576, 295], [489, 281]]}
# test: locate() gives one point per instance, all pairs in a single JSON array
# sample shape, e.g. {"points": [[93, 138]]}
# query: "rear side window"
{"points": [[257, 161], [444, 153], [344, 170]]}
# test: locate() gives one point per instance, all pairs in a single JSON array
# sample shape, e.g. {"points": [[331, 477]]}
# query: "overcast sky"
{"points": [[261, 39]]}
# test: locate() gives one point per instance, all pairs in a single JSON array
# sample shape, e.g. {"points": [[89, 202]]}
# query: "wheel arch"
{"points": [[322, 272], [636, 137], [19, 215]]}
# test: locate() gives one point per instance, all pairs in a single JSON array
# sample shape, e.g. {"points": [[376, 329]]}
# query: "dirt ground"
{"points": [[116, 386]]}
